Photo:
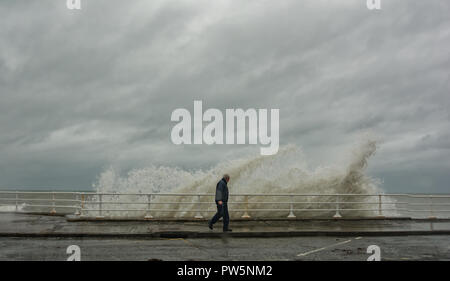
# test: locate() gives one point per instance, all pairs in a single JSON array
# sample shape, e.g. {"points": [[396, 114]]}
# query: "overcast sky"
{"points": [[83, 90]]}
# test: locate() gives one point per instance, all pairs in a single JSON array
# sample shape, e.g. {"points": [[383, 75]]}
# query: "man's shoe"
{"points": [[210, 226], [227, 230]]}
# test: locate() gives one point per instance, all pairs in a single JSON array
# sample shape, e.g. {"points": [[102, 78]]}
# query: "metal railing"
{"points": [[182, 205]]}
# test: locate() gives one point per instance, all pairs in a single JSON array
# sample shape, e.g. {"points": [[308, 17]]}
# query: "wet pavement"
{"points": [[353, 248], [28, 225], [41, 237]]}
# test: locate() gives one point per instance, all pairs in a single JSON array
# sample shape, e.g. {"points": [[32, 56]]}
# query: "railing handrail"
{"points": [[100, 200]]}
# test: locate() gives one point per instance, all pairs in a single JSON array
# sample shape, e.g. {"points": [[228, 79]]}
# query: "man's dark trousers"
{"points": [[222, 211]]}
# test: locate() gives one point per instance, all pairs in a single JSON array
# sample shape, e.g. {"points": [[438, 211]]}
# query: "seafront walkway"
{"points": [[37, 225]]}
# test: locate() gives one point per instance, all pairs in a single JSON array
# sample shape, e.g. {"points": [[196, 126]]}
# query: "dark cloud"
{"points": [[82, 90]]}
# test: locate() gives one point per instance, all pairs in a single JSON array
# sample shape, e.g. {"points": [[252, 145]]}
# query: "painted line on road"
{"points": [[327, 247]]}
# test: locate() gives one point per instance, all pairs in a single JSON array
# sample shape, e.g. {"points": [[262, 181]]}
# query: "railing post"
{"points": [[198, 215], [148, 215], [246, 215], [77, 210], [82, 205], [100, 206], [53, 211], [432, 216], [17, 201], [291, 212], [337, 215], [380, 206]]}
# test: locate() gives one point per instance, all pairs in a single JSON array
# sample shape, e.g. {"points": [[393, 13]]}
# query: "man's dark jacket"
{"points": [[222, 191]]}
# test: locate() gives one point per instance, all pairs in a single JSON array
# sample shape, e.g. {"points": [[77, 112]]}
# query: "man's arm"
{"points": [[219, 193]]}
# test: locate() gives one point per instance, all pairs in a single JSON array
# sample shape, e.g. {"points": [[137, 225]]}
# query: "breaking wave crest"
{"points": [[283, 173]]}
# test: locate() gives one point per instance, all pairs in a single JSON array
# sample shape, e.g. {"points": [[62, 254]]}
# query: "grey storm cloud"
{"points": [[82, 90]]}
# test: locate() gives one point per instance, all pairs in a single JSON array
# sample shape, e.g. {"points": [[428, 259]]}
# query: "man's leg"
{"points": [[217, 216], [226, 216]]}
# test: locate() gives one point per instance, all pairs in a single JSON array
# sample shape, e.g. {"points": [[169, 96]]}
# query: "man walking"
{"points": [[222, 204]]}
